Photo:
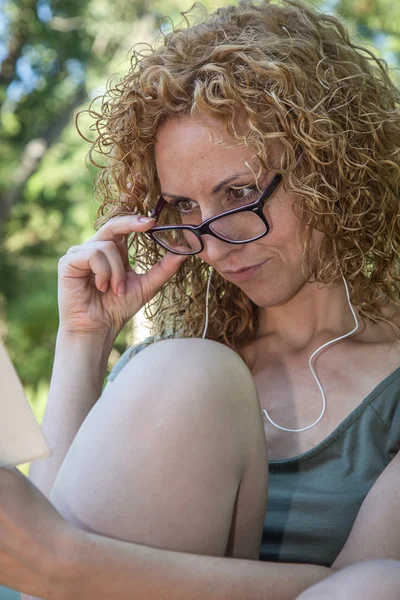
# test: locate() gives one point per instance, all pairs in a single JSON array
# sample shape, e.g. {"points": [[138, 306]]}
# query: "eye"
{"points": [[184, 206], [244, 193]]}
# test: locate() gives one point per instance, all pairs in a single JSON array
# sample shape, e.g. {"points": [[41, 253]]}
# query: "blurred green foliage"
{"points": [[57, 56]]}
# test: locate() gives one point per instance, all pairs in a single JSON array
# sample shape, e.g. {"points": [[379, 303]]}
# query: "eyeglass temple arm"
{"points": [[159, 206]]}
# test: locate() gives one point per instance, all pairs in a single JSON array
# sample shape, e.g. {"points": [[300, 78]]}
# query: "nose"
{"points": [[216, 250]]}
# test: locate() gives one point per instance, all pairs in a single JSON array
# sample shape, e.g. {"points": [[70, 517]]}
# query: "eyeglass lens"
{"points": [[239, 227]]}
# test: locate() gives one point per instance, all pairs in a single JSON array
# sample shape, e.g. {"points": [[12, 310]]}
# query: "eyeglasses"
{"points": [[236, 226]]}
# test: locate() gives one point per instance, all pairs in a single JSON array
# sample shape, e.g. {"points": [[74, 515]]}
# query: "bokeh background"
{"points": [[56, 56]]}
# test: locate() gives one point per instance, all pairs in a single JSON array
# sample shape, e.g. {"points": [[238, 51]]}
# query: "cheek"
{"points": [[284, 231], [286, 243], [279, 213], [286, 234]]}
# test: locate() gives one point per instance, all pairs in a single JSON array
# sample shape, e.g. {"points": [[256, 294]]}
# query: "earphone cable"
{"points": [[207, 295], [313, 372], [310, 360]]}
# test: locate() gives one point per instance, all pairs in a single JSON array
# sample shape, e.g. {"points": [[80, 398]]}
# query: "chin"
{"points": [[265, 295]]}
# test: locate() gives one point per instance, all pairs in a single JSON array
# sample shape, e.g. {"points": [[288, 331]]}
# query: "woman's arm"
{"points": [[90, 566], [98, 293], [97, 567], [84, 565], [78, 374]]}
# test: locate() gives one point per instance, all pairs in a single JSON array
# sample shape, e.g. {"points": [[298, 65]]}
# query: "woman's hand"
{"points": [[98, 289], [33, 536]]}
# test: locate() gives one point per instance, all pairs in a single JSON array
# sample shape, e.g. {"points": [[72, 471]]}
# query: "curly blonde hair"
{"points": [[297, 78]]}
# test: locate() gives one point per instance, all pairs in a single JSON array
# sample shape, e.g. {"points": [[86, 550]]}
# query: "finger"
{"points": [[114, 272], [101, 269], [121, 244], [159, 274], [118, 271], [115, 255], [82, 264], [123, 225]]}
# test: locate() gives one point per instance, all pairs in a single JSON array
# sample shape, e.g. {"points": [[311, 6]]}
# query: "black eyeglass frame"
{"points": [[204, 227]]}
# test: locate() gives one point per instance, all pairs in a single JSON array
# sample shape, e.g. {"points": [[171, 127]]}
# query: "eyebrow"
{"points": [[215, 189]]}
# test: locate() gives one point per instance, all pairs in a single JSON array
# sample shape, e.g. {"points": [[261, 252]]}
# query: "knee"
{"points": [[362, 581], [187, 368], [195, 354], [196, 385]]}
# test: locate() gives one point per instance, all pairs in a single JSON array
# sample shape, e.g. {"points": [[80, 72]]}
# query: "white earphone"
{"points": [[309, 360], [207, 296]]}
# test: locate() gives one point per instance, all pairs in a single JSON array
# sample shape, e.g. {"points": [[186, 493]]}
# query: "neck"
{"points": [[316, 311]]}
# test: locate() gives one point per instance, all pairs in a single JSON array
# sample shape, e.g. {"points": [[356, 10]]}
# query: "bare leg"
{"points": [[173, 454], [371, 580]]}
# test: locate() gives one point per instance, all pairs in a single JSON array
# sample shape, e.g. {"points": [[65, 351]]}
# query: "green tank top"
{"points": [[314, 498]]}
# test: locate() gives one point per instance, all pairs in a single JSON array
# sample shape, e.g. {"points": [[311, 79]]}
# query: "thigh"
{"points": [[371, 580], [172, 455]]}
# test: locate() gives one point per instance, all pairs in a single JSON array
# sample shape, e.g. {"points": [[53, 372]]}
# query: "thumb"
{"points": [[160, 273]]}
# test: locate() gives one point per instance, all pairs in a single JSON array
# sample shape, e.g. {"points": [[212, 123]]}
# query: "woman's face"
{"points": [[190, 164]]}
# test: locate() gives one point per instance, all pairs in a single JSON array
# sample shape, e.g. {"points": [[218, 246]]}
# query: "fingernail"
{"points": [[122, 289], [146, 219], [104, 287]]}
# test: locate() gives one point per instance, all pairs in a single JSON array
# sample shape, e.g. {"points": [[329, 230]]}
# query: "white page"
{"points": [[21, 439]]}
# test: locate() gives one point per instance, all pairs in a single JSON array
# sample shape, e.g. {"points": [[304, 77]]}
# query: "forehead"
{"points": [[191, 150]]}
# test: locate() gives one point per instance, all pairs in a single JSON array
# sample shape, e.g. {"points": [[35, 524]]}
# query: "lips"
{"points": [[236, 271], [244, 273]]}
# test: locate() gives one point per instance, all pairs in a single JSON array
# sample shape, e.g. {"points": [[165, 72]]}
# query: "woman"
{"points": [[264, 146]]}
